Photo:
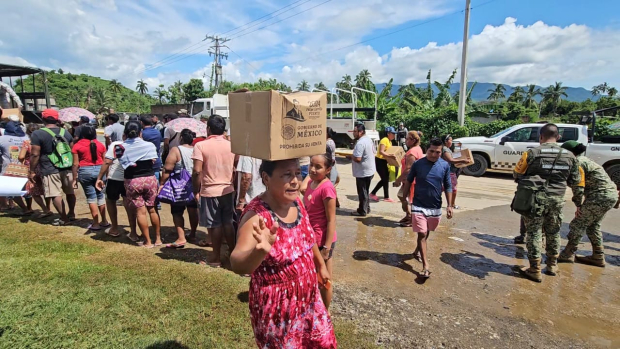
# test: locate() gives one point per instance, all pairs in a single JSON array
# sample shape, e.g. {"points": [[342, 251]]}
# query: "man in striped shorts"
{"points": [[432, 176]]}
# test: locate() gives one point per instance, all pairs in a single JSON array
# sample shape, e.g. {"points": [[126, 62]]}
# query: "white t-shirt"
{"points": [[364, 148], [175, 138], [250, 165], [116, 172]]}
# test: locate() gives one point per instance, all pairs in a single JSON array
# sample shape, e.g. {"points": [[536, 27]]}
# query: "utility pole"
{"points": [[214, 51], [463, 89]]}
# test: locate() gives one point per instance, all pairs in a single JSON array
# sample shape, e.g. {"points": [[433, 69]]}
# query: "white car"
{"points": [[503, 150]]}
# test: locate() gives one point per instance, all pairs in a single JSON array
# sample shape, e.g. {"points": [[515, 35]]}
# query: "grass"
{"points": [[65, 290]]}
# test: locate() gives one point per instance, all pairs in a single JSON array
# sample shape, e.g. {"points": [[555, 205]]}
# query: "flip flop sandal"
{"points": [[174, 245], [136, 240], [204, 243], [90, 227], [105, 225], [159, 244], [147, 246], [404, 224], [417, 257], [59, 223], [113, 235], [426, 274], [212, 265]]}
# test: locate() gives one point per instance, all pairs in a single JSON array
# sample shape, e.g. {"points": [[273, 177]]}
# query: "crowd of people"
{"points": [[278, 218]]}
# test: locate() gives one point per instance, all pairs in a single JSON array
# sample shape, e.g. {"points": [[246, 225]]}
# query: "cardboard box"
{"points": [[464, 153], [14, 111], [269, 125], [397, 151]]}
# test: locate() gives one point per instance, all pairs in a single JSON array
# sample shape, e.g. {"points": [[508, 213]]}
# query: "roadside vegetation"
{"points": [[431, 107]]}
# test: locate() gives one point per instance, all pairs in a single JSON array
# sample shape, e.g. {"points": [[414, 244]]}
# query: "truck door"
{"points": [[509, 148]]}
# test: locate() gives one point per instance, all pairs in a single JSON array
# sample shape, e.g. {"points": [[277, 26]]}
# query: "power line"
{"points": [[269, 25], [243, 59], [390, 33], [179, 57], [267, 15]]}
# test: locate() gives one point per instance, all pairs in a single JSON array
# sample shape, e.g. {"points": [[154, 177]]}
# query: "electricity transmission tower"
{"points": [[215, 51]]}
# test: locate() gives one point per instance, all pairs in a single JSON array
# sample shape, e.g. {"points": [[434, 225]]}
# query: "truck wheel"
{"points": [[478, 168], [614, 173]]}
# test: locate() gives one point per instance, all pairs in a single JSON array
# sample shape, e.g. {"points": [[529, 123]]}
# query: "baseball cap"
{"points": [[84, 119], [50, 113], [390, 129]]}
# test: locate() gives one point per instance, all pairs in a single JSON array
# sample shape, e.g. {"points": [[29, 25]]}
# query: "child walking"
{"points": [[320, 202]]}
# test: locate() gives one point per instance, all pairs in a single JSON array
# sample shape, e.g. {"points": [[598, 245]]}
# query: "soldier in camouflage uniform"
{"points": [[548, 161], [601, 195]]}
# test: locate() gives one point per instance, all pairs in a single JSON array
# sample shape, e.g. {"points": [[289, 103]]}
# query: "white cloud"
{"points": [[118, 39]]}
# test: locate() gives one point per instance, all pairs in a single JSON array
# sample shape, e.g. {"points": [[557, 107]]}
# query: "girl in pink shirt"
{"points": [[320, 202]]}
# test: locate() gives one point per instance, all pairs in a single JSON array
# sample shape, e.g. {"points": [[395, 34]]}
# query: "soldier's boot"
{"points": [[552, 266], [533, 272], [568, 254], [596, 259]]}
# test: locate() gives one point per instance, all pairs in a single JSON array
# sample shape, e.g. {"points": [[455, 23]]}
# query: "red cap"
{"points": [[50, 113]]}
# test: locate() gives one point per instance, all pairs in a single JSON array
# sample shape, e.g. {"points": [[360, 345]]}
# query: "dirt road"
{"points": [[474, 299]]}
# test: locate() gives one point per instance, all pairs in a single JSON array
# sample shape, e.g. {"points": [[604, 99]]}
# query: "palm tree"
{"points": [[115, 86], [142, 87], [345, 84], [362, 80], [102, 99], [160, 94], [321, 86], [497, 93], [612, 92], [600, 89], [532, 92], [553, 95], [517, 95], [303, 86]]}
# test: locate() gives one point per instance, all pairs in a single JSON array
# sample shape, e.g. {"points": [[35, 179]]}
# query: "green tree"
{"points": [[444, 97], [142, 87], [600, 89], [612, 92], [517, 95], [362, 80], [175, 92], [321, 86], [115, 86], [553, 95], [160, 93], [303, 86], [102, 100], [530, 96], [193, 90], [345, 84], [497, 93], [468, 100]]}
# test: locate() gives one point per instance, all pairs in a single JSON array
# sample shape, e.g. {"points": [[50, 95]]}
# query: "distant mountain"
{"points": [[481, 91]]}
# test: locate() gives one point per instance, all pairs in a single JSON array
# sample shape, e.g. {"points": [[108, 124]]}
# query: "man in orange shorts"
{"points": [[431, 174]]}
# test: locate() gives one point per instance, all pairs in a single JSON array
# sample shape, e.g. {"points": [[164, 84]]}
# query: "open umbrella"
{"points": [[72, 114], [177, 125]]}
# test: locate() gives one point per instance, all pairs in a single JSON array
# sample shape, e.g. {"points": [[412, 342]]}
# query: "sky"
{"points": [[513, 42]]}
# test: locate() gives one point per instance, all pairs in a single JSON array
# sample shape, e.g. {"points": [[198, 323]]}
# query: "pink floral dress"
{"points": [[284, 298]]}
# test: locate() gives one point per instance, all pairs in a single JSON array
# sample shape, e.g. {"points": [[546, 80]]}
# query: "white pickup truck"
{"points": [[503, 150]]}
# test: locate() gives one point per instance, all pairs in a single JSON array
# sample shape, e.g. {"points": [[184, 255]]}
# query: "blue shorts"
{"points": [[87, 176]]}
